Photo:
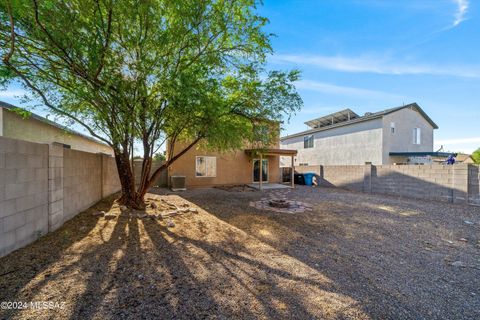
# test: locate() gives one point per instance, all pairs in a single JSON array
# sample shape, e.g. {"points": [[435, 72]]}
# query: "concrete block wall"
{"points": [[474, 184], [137, 170], [23, 193], [345, 176], [434, 182], [458, 183], [55, 186], [110, 179], [82, 181], [42, 186]]}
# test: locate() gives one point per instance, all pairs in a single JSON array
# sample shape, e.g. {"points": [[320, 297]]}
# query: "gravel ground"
{"points": [[355, 256]]}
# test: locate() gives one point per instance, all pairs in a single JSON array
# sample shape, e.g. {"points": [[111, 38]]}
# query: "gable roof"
{"points": [[463, 157], [368, 116], [12, 108]]}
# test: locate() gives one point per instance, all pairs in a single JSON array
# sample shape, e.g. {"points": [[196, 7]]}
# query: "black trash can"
{"points": [[299, 178]]}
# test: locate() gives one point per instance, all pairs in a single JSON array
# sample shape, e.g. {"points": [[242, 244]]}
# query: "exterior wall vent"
{"points": [[178, 183]]}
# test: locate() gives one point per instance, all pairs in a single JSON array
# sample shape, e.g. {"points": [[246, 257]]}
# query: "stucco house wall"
{"points": [[367, 138], [347, 145], [233, 167], [402, 139], [31, 129]]}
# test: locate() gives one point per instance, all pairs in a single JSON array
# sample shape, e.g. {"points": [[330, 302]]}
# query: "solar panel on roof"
{"points": [[333, 118]]}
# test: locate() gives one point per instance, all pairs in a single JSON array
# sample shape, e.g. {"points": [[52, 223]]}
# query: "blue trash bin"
{"points": [[308, 177]]}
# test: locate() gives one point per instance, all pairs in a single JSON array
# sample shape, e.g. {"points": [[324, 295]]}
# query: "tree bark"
{"points": [[129, 197], [150, 180]]}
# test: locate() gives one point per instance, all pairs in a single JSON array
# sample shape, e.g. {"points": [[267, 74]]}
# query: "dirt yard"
{"points": [[348, 256]]}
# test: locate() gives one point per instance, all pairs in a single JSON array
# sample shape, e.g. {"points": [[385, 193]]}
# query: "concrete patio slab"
{"points": [[269, 186]]}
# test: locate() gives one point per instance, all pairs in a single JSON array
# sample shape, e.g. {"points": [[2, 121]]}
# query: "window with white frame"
{"points": [[392, 127], [417, 136], [308, 141], [205, 167]]}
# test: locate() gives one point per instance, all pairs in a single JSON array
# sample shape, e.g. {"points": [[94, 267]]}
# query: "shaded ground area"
{"points": [[353, 256]]}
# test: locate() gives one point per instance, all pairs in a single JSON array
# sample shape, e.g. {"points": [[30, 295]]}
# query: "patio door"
{"points": [[256, 170]]}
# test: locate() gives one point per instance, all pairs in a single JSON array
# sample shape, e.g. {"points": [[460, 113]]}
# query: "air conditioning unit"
{"points": [[177, 183]]}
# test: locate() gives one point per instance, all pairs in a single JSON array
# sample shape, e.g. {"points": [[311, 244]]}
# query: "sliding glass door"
{"points": [[256, 170]]}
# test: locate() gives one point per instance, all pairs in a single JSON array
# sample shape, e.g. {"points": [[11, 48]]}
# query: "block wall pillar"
{"points": [[367, 177], [460, 183], [55, 186]]}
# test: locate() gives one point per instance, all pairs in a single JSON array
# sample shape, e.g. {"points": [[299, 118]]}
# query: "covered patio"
{"points": [[265, 152]]}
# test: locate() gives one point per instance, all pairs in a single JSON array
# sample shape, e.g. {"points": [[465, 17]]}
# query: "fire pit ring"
{"points": [[279, 203]]}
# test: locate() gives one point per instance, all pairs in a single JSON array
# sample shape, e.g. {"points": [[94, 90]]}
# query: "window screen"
{"points": [[206, 167], [417, 136], [308, 141]]}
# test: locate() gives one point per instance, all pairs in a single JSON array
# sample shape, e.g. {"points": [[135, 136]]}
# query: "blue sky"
{"points": [[369, 55]]}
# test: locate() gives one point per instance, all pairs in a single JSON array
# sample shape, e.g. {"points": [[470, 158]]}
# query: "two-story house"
{"points": [[398, 135], [252, 165]]}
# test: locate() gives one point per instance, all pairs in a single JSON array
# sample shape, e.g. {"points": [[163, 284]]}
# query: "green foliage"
{"points": [[159, 157], [476, 156], [148, 71], [21, 112]]}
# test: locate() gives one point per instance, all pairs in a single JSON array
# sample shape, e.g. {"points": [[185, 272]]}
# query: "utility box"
{"points": [[177, 183]]}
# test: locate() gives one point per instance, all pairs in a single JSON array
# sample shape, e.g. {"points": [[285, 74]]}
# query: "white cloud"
{"points": [[11, 93], [343, 90], [459, 141], [467, 145], [375, 64], [462, 8], [317, 110]]}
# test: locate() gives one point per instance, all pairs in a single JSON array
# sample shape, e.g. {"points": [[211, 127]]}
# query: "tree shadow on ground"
{"points": [[228, 284], [129, 267], [20, 267], [392, 264]]}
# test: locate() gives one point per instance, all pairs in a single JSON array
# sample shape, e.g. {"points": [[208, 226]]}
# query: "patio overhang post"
{"points": [[292, 174], [261, 171], [260, 153]]}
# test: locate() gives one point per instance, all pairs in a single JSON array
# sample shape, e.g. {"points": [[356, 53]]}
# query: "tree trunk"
{"points": [[155, 175], [129, 197]]}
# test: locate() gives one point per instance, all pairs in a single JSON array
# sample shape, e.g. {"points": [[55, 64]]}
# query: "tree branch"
{"points": [[12, 33]]}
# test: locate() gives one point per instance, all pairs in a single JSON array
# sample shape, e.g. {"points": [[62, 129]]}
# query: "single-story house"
{"points": [[35, 128], [464, 158]]}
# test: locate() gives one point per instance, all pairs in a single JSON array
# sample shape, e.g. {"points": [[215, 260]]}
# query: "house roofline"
{"points": [[369, 117], [35, 116]]}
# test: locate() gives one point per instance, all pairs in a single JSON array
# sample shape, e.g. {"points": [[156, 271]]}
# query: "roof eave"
{"points": [[10, 107]]}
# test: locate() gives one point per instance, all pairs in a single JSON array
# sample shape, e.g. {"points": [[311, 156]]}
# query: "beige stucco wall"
{"points": [[33, 130], [233, 167]]}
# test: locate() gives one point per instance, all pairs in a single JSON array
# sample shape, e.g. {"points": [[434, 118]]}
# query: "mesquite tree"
{"points": [[147, 71]]}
